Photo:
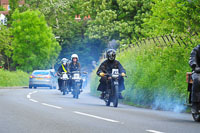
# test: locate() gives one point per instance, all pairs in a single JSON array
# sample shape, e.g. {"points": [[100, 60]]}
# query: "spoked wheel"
{"points": [[196, 117], [64, 87], [115, 96]]}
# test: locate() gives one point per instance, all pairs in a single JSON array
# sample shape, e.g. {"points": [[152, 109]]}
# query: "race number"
{"points": [[76, 76], [115, 71]]}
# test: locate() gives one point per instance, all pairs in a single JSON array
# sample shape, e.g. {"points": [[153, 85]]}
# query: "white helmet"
{"points": [[64, 60], [74, 56]]}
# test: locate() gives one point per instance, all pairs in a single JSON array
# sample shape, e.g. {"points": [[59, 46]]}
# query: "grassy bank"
{"points": [[156, 75], [13, 78]]}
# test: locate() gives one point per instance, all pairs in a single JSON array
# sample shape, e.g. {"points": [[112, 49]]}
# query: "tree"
{"points": [[117, 19], [34, 45], [5, 47], [2, 9], [177, 16]]}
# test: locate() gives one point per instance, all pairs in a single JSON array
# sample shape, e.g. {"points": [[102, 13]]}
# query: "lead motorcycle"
{"points": [[65, 79], [76, 83], [112, 90], [195, 110]]}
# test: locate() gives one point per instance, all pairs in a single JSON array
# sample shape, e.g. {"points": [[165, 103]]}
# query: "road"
{"points": [[47, 111]]}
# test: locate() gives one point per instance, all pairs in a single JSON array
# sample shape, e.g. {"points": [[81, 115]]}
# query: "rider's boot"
{"points": [[102, 95]]}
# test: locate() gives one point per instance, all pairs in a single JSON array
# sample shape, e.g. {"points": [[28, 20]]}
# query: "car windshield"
{"points": [[41, 73]]}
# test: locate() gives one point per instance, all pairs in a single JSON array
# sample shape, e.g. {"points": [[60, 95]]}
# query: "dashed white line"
{"points": [[33, 100], [57, 107], [97, 117], [154, 131], [28, 96]]}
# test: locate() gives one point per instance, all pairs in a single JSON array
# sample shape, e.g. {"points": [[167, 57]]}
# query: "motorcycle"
{"points": [[112, 91], [76, 83], [195, 108], [65, 79], [85, 79]]}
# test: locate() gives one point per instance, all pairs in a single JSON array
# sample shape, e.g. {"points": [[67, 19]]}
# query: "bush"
{"points": [[11, 78], [156, 75]]}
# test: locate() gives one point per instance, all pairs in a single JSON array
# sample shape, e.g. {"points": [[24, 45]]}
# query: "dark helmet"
{"points": [[111, 54]]}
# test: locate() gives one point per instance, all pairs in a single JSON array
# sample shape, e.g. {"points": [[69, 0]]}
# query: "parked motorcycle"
{"points": [[112, 90], [65, 79], [76, 83], [195, 107]]}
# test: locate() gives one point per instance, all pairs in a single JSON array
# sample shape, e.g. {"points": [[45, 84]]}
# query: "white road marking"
{"points": [[28, 96], [154, 131], [33, 100], [57, 107], [97, 117]]}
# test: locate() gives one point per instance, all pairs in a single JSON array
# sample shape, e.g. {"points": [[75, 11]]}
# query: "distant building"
{"points": [[3, 19], [6, 6]]}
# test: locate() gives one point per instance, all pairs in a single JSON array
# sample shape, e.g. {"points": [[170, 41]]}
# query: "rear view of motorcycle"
{"points": [[76, 83], [65, 79], [195, 106]]}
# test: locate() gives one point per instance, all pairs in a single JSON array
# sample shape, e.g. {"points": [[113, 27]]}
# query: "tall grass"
{"points": [[13, 78], [156, 75]]}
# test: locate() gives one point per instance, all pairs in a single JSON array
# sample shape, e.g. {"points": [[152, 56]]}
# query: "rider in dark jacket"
{"points": [[106, 67], [194, 63], [74, 66], [63, 68]]}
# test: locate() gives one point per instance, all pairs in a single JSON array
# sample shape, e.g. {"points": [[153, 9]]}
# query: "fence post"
{"points": [[164, 40], [183, 41], [168, 40], [172, 38], [154, 41], [144, 41], [158, 40]]}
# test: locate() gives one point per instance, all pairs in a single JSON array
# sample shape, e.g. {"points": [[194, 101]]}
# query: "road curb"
{"points": [[14, 87]]}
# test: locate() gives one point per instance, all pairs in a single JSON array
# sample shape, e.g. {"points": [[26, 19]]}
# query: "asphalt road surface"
{"points": [[47, 111]]}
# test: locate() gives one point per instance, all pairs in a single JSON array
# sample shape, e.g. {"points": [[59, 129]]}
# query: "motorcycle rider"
{"points": [[106, 67], [63, 68], [194, 63], [74, 66]]}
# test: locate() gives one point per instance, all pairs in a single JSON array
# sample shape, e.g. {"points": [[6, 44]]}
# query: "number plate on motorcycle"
{"points": [[76, 76], [115, 71], [65, 76]]}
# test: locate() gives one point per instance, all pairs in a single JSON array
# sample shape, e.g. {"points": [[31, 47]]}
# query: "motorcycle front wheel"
{"points": [[115, 96], [76, 92]]}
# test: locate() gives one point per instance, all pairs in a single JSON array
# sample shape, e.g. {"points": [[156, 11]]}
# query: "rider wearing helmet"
{"points": [[74, 66], [63, 68], [194, 63], [106, 67]]}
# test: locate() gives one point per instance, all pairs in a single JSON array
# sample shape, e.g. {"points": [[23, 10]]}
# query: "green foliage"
{"points": [[34, 45], [5, 47], [17, 78], [94, 82], [177, 16], [2, 9], [14, 4], [120, 20], [156, 75]]}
